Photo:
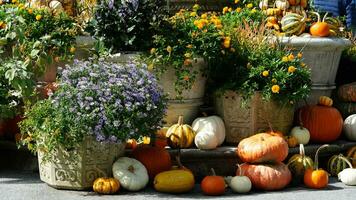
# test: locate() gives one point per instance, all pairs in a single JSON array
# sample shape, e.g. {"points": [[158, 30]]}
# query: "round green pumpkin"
{"points": [[336, 165]]}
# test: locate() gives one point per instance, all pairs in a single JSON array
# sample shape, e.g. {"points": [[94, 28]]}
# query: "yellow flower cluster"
{"points": [[227, 42], [291, 69], [226, 10], [38, 17], [265, 73], [200, 23]]}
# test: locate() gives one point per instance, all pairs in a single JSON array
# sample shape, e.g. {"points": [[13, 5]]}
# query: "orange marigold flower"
{"points": [[227, 42], [275, 88], [38, 17], [204, 16], [187, 62], [291, 57], [300, 55], [291, 69], [250, 5], [303, 64], [285, 59], [238, 9], [186, 78]]}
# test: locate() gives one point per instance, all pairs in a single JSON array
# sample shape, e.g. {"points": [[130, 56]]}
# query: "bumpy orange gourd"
{"points": [[351, 154], [320, 28], [155, 159], [213, 185], [324, 123], [325, 101], [262, 147], [106, 185], [267, 176], [316, 178]]}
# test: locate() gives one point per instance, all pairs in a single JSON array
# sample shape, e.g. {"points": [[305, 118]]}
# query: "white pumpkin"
{"points": [[264, 4], [210, 132], [301, 133], [240, 183], [350, 127], [282, 4], [348, 175], [131, 173], [56, 6]]}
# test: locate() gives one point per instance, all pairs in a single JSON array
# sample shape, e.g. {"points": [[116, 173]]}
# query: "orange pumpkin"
{"points": [[262, 147], [320, 28], [213, 185], [325, 101], [324, 123], [291, 140], [266, 176], [304, 3], [294, 2], [316, 178], [347, 92], [155, 159]]}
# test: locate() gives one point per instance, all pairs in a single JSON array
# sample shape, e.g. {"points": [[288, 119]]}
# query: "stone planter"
{"points": [[242, 122], [125, 57], [322, 56], [206, 5], [78, 168], [192, 99]]}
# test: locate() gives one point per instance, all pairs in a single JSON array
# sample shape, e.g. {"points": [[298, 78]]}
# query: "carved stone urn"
{"points": [[76, 169]]}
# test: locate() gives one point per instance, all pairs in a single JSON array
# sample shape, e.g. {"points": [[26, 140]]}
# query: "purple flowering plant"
{"points": [[108, 101]]}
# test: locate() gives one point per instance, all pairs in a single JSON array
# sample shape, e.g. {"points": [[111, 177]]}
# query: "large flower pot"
{"points": [[77, 169], [191, 100], [322, 56], [244, 121]]}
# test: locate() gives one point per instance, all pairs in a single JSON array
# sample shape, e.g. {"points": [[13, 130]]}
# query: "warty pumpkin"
{"points": [[213, 185], [155, 159], [267, 176], [336, 164], [351, 155], [316, 178], [106, 185], [174, 181], [180, 135], [298, 163], [324, 123], [320, 28], [261, 148], [293, 24], [347, 92]]}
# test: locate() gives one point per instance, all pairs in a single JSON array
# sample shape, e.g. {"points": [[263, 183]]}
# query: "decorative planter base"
{"points": [[189, 109], [242, 122], [78, 168]]}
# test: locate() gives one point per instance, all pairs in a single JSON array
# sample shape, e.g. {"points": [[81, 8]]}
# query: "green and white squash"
{"points": [[293, 24], [336, 164]]}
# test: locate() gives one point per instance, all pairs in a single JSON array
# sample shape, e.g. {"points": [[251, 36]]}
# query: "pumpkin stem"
{"points": [[213, 171], [346, 160], [300, 119], [326, 14], [270, 126], [180, 120], [131, 169], [301, 150], [240, 169], [317, 14], [204, 114], [316, 160]]}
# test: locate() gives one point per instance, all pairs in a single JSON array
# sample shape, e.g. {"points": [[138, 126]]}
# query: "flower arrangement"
{"points": [[127, 25], [264, 66], [108, 101]]}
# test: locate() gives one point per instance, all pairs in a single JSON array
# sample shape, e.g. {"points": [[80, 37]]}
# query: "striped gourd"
{"points": [[336, 164], [298, 163], [293, 24], [351, 155]]}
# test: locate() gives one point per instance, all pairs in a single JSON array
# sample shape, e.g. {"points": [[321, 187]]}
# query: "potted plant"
{"points": [[82, 128], [37, 37], [267, 80], [126, 27]]}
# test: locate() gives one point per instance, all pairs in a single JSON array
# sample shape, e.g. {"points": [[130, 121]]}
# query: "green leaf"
{"points": [[34, 52], [10, 74]]}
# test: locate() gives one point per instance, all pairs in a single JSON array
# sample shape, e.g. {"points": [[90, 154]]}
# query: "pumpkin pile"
{"points": [[263, 154], [289, 17]]}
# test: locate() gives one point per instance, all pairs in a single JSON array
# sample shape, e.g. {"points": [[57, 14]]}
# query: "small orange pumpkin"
{"points": [[325, 101], [316, 178], [106, 185], [213, 185], [320, 28], [291, 140], [131, 144]]}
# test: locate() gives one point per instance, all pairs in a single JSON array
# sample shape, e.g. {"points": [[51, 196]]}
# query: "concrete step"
{"points": [[222, 159]]}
